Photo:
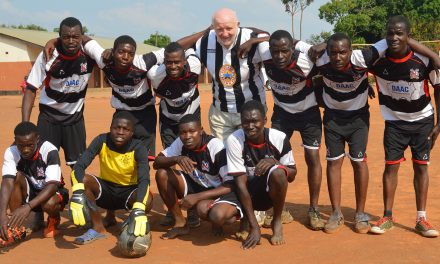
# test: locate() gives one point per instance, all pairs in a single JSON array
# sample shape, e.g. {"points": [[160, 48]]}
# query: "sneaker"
{"points": [[361, 224], [168, 220], [15, 234], [52, 227], [315, 220], [424, 228], [286, 218], [334, 223], [384, 224], [193, 218], [260, 216]]}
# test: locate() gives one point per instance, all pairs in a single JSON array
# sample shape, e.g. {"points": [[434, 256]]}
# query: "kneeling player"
{"points": [[201, 181], [261, 160], [123, 182], [31, 181]]}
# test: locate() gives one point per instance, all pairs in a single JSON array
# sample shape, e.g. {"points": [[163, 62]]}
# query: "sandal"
{"points": [[88, 237]]}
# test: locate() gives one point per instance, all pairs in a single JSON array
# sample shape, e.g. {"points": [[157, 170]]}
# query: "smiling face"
{"points": [[174, 63], [281, 51], [123, 56], [71, 39], [191, 135], [397, 39], [27, 145], [226, 26], [121, 131], [339, 52], [253, 123]]}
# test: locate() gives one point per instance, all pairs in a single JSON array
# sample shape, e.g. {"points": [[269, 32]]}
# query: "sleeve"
{"points": [[94, 50], [146, 61], [263, 52], [234, 157], [287, 153], [10, 162], [193, 61], [305, 63], [368, 56], [143, 171], [38, 72], [175, 149], [303, 46], [220, 161], [324, 59], [197, 47], [156, 74], [434, 76], [53, 169], [86, 158]]}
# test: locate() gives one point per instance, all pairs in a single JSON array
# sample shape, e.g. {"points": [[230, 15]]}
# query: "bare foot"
{"points": [[277, 237], [175, 232], [217, 230]]}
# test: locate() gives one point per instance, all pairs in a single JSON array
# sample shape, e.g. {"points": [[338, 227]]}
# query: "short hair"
{"points": [[189, 118], [174, 47], [400, 19], [70, 22], [25, 128], [253, 105], [339, 36], [124, 115], [124, 39], [280, 34]]}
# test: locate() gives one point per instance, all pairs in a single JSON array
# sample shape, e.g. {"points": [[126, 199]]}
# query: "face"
{"points": [[191, 135], [226, 31], [123, 56], [71, 38], [174, 63], [339, 53], [253, 124], [397, 38], [121, 131], [27, 145], [281, 51]]}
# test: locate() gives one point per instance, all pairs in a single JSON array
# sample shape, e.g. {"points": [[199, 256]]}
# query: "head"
{"points": [[124, 49], [397, 33], [281, 48], [122, 128], [174, 60], [26, 139], [226, 24], [190, 131], [339, 50], [253, 120], [70, 34]]}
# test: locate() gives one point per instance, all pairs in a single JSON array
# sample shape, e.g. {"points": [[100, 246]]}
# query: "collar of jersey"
{"points": [[401, 60], [256, 145], [67, 57]]}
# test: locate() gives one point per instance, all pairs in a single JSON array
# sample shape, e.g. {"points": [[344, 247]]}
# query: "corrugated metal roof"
{"points": [[41, 37]]}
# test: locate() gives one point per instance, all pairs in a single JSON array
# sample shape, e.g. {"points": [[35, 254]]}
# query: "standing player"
{"points": [[402, 78], [31, 181], [201, 180], [261, 160], [64, 78], [123, 182]]}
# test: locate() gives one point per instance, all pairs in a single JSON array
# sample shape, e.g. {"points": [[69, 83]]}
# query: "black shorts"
{"points": [[169, 129], [354, 132], [308, 123], [145, 127], [114, 196], [397, 138], [232, 199], [62, 193], [191, 186], [72, 138]]}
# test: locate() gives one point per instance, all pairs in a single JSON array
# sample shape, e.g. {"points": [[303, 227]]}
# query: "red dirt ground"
{"points": [[399, 245]]}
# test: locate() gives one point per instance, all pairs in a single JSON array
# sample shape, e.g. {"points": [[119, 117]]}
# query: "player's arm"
{"points": [[425, 51], [173, 156], [28, 102], [192, 199], [33, 82], [95, 51], [189, 41]]}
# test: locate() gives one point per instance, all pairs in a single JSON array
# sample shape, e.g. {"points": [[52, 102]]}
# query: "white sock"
{"points": [[421, 214]]}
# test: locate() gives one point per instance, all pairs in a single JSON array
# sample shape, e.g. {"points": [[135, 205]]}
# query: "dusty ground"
{"points": [[399, 245]]}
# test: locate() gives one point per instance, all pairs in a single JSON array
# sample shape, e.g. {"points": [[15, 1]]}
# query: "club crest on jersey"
{"points": [[62, 72], [357, 77], [414, 74], [136, 80], [227, 75], [295, 80], [205, 165], [83, 67], [40, 172]]}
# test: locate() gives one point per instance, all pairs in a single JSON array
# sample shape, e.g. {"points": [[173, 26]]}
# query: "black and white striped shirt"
{"points": [[234, 80]]}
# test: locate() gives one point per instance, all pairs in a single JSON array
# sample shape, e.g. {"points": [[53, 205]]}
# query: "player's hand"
{"points": [[264, 165], [316, 51], [434, 134], [189, 201], [49, 48], [137, 220], [107, 56], [253, 238], [186, 164], [4, 226], [244, 49], [19, 215], [371, 92], [80, 206]]}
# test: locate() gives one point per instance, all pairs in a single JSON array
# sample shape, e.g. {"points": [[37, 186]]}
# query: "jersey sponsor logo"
{"points": [[227, 75], [126, 90], [282, 88], [414, 74], [400, 89], [69, 83], [83, 67], [211, 50], [345, 85]]}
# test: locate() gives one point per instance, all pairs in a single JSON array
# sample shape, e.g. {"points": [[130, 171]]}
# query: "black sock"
{"points": [[387, 213]]}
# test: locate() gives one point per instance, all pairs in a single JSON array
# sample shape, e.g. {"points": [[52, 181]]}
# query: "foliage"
{"points": [[30, 27], [85, 30], [158, 40], [319, 38]]}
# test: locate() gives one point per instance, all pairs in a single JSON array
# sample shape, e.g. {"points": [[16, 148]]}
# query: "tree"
{"points": [[302, 5], [85, 30], [292, 7], [158, 40], [29, 27], [319, 38]]}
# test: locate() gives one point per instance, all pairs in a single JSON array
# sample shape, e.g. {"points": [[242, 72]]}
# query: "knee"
{"points": [[161, 176], [216, 216], [202, 208], [278, 178], [51, 204]]}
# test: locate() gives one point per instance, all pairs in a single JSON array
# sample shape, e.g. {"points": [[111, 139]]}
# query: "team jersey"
{"points": [[243, 156], [345, 92], [126, 166], [64, 88], [403, 87], [234, 80], [130, 89], [292, 87], [211, 169], [179, 96], [43, 168]]}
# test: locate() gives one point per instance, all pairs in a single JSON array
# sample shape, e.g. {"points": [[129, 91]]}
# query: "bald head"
{"points": [[225, 23]]}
